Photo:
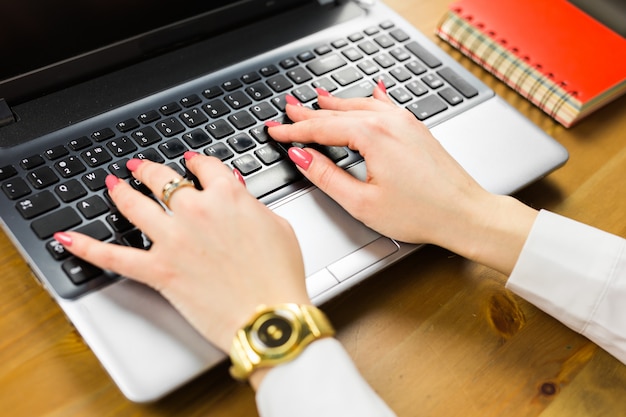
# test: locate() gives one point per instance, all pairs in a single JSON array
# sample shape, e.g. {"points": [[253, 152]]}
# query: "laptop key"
{"points": [[56, 152], [80, 271], [326, 64], [42, 177], [263, 111], [427, 107], [212, 92], [237, 100], [102, 134], [96, 230], [92, 207], [362, 89], [63, 219], [95, 180], [146, 136], [15, 188], [220, 151], [70, 191], [216, 108], [219, 129], [69, 166], [31, 162], [247, 164], [149, 116], [127, 125], [457, 82], [273, 178], [424, 55], [241, 142], [7, 172], [96, 156], [347, 76], [37, 204], [193, 117], [279, 83], [196, 138], [170, 127], [258, 91]]}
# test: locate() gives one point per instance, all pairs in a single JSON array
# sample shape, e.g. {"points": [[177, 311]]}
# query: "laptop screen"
{"points": [[45, 45]]}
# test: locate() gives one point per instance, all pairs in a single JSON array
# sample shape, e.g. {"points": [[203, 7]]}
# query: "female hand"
{"points": [[414, 191], [217, 256]]}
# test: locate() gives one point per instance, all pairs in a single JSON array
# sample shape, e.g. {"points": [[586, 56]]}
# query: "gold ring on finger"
{"points": [[170, 188]]}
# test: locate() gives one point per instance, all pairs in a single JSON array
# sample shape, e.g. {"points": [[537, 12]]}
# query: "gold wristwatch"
{"points": [[275, 335]]}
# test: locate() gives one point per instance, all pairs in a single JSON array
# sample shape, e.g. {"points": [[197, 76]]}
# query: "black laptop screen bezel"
{"points": [[40, 77]]}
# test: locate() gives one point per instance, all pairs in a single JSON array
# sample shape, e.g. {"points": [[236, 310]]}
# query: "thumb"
{"points": [[328, 177]]}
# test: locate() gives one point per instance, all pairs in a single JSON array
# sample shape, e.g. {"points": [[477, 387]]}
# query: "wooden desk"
{"points": [[435, 335]]}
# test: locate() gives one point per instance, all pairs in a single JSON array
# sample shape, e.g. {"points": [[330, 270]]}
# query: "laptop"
{"points": [[83, 88]]}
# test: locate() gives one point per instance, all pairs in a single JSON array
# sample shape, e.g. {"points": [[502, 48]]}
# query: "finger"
{"points": [[206, 168], [327, 176], [123, 260], [324, 131], [142, 211], [380, 93], [156, 176], [329, 102]]}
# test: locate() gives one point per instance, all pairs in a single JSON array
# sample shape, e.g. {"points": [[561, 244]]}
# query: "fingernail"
{"points": [[63, 238], [292, 100], [300, 157], [272, 123], [190, 154], [381, 86], [111, 181], [133, 164], [322, 92], [239, 177]]}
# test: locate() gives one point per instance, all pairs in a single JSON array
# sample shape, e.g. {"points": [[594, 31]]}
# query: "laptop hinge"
{"points": [[6, 115]]}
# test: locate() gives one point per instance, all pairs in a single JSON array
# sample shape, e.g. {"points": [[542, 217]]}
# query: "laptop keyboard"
{"points": [[63, 187]]}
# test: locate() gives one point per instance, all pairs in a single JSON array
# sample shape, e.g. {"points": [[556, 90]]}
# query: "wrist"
{"points": [[275, 335], [492, 231]]}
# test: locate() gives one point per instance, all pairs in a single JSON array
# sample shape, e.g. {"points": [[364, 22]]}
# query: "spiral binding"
{"points": [[516, 71]]}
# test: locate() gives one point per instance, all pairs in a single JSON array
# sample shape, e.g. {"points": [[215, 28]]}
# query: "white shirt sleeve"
{"points": [[322, 381], [577, 274]]}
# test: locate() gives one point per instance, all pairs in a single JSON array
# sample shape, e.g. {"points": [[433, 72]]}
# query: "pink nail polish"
{"points": [[300, 157], [111, 181], [381, 86], [272, 123], [292, 100], [239, 177], [133, 164], [190, 154], [322, 92], [63, 238]]}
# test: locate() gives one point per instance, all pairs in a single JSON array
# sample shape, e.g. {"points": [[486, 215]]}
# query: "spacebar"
{"points": [[279, 175]]}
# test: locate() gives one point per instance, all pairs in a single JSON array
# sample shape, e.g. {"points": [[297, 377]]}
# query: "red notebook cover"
{"points": [[584, 56]]}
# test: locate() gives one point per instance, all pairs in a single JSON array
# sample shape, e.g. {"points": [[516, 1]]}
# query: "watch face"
{"points": [[275, 332]]}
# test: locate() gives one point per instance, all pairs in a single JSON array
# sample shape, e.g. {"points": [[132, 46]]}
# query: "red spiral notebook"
{"points": [[551, 52]]}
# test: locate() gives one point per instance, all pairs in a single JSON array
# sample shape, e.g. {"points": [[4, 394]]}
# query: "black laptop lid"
{"points": [[47, 45]]}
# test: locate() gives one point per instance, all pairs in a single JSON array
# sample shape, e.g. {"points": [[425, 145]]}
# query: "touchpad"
{"points": [[325, 231]]}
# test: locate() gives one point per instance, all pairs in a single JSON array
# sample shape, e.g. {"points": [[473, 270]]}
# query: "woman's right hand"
{"points": [[414, 191]]}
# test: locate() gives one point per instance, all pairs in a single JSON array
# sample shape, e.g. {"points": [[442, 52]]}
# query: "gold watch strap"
{"points": [[276, 335]]}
